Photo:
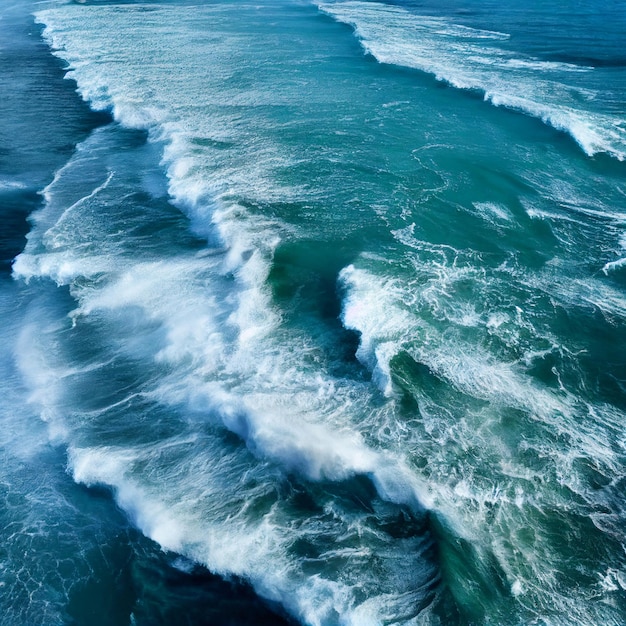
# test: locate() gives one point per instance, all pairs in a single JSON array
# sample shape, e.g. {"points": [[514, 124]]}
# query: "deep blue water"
{"points": [[314, 313]]}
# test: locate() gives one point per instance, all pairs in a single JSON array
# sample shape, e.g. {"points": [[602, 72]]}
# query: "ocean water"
{"points": [[314, 313]]}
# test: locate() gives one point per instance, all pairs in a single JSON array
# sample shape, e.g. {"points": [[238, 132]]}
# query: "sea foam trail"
{"points": [[468, 58], [197, 337]]}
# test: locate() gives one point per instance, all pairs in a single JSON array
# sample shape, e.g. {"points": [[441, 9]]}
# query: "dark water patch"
{"points": [[475, 580], [43, 117], [102, 572], [15, 206], [304, 283], [311, 267], [587, 61], [378, 527], [57, 537], [174, 592], [598, 369], [589, 34]]}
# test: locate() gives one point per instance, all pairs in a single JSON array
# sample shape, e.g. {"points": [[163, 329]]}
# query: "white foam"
{"points": [[277, 417], [534, 64], [492, 211], [106, 466], [580, 292], [612, 266], [54, 242], [63, 270], [376, 309], [11, 185]]}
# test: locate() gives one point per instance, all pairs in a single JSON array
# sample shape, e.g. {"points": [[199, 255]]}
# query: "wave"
{"points": [[230, 442], [468, 59], [216, 363]]}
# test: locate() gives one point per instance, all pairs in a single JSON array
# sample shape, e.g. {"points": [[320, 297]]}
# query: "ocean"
{"points": [[314, 313]]}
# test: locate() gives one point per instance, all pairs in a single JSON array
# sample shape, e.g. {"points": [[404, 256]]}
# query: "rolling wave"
{"points": [[471, 59]]}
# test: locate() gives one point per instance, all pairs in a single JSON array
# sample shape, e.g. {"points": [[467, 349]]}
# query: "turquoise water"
{"points": [[322, 309]]}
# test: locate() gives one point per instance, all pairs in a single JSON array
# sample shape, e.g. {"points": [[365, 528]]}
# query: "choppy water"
{"points": [[322, 306]]}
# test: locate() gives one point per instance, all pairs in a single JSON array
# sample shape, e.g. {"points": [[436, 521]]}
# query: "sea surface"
{"points": [[313, 313]]}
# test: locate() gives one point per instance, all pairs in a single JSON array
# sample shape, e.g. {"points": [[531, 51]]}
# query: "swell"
{"points": [[549, 448]]}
